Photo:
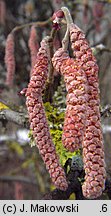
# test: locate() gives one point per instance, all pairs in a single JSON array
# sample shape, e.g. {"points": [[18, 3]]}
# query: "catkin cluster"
{"points": [[82, 118], [82, 126], [38, 121]]}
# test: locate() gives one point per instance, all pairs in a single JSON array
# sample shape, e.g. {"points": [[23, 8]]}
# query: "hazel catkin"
{"points": [[93, 148], [38, 121], [10, 60], [33, 46], [76, 86], [3, 12]]}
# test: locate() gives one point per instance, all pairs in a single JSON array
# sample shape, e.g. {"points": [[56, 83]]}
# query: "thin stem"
{"points": [[65, 40], [49, 85], [38, 23], [69, 21], [67, 15], [18, 179]]}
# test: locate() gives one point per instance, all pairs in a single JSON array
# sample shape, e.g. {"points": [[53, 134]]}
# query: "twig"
{"points": [[15, 117], [49, 86], [106, 111], [74, 186], [22, 119], [38, 23], [108, 187], [100, 48], [69, 21], [18, 178], [51, 69], [74, 176]]}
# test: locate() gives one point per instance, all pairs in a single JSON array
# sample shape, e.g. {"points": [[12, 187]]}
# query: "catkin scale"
{"points": [[38, 121], [93, 149], [76, 86]]}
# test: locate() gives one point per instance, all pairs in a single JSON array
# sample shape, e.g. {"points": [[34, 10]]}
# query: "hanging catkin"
{"points": [[33, 46], [2, 12], [93, 149], [10, 59], [38, 121], [76, 86]]}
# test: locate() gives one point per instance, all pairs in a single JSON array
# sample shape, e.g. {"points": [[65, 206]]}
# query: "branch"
{"points": [[69, 21], [22, 119], [100, 48], [37, 24], [106, 111], [49, 85], [18, 178], [74, 177], [108, 187], [74, 186], [15, 117]]}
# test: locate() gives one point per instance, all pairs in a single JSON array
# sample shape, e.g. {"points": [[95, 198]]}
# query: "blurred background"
{"points": [[22, 172]]}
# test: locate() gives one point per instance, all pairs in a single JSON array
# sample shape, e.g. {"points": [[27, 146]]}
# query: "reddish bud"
{"points": [[59, 14], [56, 26]]}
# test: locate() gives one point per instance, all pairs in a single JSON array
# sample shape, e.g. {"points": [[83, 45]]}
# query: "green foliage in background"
{"points": [[59, 97], [15, 147], [56, 120], [55, 113]]}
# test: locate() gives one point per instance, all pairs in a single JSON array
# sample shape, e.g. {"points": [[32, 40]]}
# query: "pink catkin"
{"points": [[93, 149], [33, 46], [19, 194], [10, 60], [2, 12], [98, 12], [76, 85], [85, 11], [38, 121]]}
